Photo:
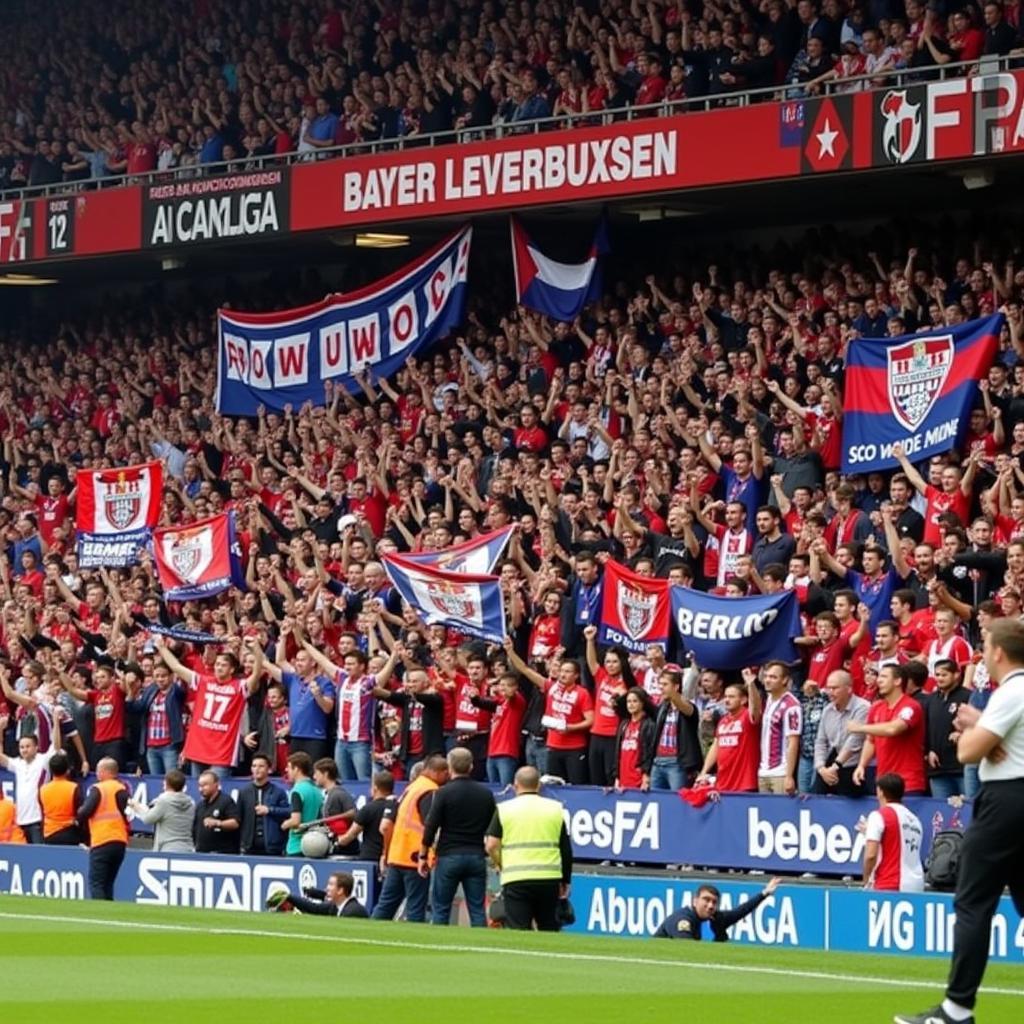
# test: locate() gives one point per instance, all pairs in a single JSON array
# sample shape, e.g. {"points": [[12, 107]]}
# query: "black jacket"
{"points": [[216, 840], [350, 908], [462, 810], [685, 924], [433, 721], [279, 809], [688, 752], [572, 631]]}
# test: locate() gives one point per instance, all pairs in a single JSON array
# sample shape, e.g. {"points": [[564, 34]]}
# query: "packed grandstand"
{"points": [[98, 91], [686, 427]]}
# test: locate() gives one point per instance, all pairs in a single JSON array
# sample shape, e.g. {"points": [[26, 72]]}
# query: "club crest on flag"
{"points": [[122, 501], [636, 610], [917, 371], [189, 553], [198, 560], [115, 513], [452, 599], [471, 603]]}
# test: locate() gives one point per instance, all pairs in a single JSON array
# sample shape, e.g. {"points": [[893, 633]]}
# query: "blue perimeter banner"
{"points": [[205, 880], [286, 358], [733, 632], [916, 390], [767, 833], [797, 916]]}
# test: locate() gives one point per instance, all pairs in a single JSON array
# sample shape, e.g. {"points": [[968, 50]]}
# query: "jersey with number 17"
{"points": [[216, 726]]}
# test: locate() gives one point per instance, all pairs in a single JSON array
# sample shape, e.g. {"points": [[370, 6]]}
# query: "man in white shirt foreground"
{"points": [[993, 852]]}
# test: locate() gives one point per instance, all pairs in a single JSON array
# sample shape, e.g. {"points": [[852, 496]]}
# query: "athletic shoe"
{"points": [[275, 899], [936, 1015]]}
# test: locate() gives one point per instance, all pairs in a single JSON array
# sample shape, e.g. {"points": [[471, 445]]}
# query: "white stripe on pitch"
{"points": [[428, 947]]}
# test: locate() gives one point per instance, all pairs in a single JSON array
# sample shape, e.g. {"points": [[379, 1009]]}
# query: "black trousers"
{"points": [[117, 749], [844, 787], [992, 858], [315, 748], [477, 746], [529, 902], [603, 768], [33, 833], [70, 836], [570, 765], [104, 863]]}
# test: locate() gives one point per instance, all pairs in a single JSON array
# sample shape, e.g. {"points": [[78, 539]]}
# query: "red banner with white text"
{"points": [[955, 119]]}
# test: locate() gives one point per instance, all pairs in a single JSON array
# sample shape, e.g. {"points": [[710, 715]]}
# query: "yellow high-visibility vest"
{"points": [[531, 827]]}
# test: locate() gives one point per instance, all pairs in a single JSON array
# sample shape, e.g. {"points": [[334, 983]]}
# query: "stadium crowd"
{"points": [[688, 427], [98, 90]]}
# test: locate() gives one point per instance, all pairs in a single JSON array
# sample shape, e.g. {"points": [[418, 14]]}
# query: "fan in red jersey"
{"points": [[894, 734], [218, 706], [736, 750]]}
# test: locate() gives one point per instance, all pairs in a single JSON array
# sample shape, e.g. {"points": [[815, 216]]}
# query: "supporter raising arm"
{"points": [[735, 752], [954, 496], [874, 586]]}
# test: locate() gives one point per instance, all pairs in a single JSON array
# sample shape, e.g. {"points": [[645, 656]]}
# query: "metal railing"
{"points": [[788, 91]]}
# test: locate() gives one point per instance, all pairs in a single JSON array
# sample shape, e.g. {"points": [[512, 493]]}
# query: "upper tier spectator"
{"points": [[103, 89]]}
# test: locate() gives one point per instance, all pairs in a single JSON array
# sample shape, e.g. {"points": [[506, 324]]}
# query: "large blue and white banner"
{"points": [[915, 390], [733, 632], [286, 358], [797, 916], [768, 833], [209, 881]]}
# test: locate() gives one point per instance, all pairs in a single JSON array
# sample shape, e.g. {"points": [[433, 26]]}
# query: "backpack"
{"points": [[940, 869]]}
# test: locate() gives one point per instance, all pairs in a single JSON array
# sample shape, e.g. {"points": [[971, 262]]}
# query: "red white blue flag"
{"points": [[115, 512], [635, 610], [558, 290], [198, 560], [477, 556], [470, 603], [916, 390]]}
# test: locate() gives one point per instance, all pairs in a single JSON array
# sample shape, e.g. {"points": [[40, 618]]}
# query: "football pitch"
{"points": [[114, 963]]}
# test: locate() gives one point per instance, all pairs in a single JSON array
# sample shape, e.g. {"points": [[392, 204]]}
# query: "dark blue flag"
{"points": [[728, 633]]}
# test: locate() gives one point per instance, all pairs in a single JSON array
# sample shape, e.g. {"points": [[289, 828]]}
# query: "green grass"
{"points": [[115, 963]]}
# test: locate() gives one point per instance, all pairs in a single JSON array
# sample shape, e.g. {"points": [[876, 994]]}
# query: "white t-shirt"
{"points": [[1004, 717], [28, 778]]}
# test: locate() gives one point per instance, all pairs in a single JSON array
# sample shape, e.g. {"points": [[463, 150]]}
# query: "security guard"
{"points": [[529, 843], [9, 831], [104, 812], [60, 799], [402, 842]]}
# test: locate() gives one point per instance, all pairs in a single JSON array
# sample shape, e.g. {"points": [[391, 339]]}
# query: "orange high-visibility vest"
{"points": [[407, 836], [9, 831], [107, 824], [57, 799]]}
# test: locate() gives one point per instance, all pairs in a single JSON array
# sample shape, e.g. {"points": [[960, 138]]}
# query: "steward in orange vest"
{"points": [[402, 880], [60, 799], [104, 812], [9, 831]]}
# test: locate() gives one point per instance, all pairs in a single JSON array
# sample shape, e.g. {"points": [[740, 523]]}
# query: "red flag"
{"points": [[635, 610]]}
